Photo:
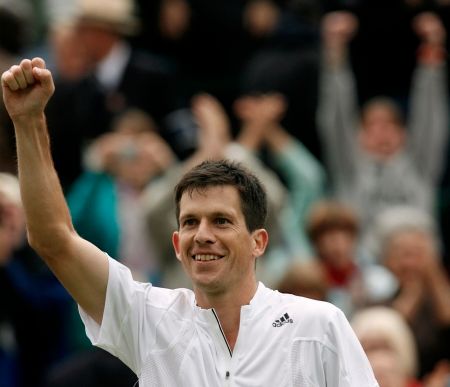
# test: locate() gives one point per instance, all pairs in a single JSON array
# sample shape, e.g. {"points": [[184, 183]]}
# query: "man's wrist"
{"points": [[335, 56], [29, 119]]}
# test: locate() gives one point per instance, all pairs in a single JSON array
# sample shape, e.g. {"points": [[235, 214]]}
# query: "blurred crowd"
{"points": [[340, 107]]}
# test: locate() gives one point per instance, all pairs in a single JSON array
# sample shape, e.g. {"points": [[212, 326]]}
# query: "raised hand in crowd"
{"points": [[338, 29], [213, 125], [259, 114], [431, 32], [133, 152]]}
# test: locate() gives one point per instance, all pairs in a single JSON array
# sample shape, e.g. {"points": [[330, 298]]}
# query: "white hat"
{"points": [[117, 15]]}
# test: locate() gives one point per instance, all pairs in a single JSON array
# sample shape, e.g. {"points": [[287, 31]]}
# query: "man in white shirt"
{"points": [[230, 330]]}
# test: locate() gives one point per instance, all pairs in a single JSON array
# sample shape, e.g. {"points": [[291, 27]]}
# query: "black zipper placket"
{"points": [[221, 331]]}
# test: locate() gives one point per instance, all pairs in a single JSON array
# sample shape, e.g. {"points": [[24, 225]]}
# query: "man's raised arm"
{"points": [[80, 266]]}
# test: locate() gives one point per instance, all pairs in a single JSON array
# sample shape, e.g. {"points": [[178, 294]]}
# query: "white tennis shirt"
{"points": [[283, 340]]}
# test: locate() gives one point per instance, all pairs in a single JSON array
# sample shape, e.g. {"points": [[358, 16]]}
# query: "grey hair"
{"points": [[398, 219]]}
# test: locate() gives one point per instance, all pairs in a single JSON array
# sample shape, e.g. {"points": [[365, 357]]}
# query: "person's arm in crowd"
{"points": [[302, 174], [305, 179], [409, 299], [256, 114], [438, 286], [80, 266], [428, 117], [338, 113]]}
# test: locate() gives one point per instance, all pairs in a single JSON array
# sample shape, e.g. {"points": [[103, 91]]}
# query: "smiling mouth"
{"points": [[206, 257]]}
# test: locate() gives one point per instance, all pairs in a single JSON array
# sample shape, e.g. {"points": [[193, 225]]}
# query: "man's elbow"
{"points": [[54, 244]]}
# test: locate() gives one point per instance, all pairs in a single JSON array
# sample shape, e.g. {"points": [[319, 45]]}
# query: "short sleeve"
{"points": [[119, 331], [345, 362]]}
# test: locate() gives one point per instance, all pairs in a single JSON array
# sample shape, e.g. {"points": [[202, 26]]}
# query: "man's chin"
{"points": [[207, 284]]}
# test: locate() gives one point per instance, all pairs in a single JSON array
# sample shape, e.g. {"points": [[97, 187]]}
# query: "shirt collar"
{"points": [[257, 303], [110, 70]]}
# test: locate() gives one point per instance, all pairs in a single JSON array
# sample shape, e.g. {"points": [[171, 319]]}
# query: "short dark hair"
{"points": [[329, 215], [227, 173], [387, 103]]}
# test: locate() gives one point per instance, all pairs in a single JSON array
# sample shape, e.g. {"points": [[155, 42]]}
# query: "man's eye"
{"points": [[222, 221], [188, 222]]}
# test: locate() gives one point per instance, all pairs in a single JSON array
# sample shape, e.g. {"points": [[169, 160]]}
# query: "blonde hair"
{"points": [[384, 323]]}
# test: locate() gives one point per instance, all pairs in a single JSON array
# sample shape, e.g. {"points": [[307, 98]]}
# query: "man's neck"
{"points": [[228, 308], [230, 321]]}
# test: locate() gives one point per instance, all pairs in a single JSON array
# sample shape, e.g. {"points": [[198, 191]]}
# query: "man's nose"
{"points": [[204, 233]]}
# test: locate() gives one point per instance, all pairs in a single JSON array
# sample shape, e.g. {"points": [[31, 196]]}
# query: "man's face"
{"points": [[387, 368], [95, 40], [381, 135], [213, 242], [406, 254], [336, 248]]}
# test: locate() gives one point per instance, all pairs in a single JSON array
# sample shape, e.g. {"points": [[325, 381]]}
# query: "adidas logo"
{"points": [[285, 319]]}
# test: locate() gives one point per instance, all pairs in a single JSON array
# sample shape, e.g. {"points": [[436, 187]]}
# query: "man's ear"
{"points": [[176, 244], [260, 241]]}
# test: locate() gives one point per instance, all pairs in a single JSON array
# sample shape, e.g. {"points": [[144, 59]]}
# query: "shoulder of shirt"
{"points": [[303, 304], [156, 296], [178, 301]]}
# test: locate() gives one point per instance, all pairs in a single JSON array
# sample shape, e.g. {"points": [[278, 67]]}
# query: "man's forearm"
{"points": [[45, 207]]}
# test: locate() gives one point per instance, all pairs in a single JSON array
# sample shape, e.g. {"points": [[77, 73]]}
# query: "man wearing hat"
{"points": [[118, 77]]}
